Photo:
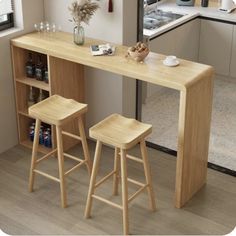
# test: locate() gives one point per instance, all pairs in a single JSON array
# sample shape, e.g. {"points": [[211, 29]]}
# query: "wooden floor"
{"points": [[211, 211]]}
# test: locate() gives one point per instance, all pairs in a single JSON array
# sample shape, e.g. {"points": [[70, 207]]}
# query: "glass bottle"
{"points": [[30, 67], [45, 79], [31, 100], [39, 69], [79, 35], [41, 96]]}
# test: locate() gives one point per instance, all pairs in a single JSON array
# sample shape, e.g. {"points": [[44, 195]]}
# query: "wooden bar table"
{"points": [[193, 80]]}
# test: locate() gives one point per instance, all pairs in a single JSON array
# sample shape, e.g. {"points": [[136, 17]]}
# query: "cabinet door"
{"points": [[215, 45], [233, 57], [164, 44], [187, 40]]}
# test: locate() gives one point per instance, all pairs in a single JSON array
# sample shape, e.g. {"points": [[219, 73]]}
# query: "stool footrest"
{"points": [[74, 168], [72, 157], [72, 135], [47, 175], [133, 158], [135, 182], [46, 156], [137, 193], [104, 178], [107, 201]]}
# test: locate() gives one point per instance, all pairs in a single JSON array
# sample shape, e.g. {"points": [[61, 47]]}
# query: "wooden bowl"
{"points": [[138, 56]]}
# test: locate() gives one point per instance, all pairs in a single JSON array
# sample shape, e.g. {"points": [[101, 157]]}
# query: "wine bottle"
{"points": [[39, 69], [41, 96], [31, 100], [30, 67]]}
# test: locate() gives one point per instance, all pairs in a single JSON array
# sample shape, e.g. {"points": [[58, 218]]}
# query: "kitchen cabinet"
{"points": [[215, 45], [233, 57], [182, 41]]}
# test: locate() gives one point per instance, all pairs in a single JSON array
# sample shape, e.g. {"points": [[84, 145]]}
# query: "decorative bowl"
{"points": [[138, 52]]}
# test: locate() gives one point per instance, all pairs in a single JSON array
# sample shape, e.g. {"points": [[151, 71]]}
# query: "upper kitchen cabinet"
{"points": [[233, 57], [215, 45]]}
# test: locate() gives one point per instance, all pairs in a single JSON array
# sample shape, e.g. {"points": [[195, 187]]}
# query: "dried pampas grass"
{"points": [[82, 10]]}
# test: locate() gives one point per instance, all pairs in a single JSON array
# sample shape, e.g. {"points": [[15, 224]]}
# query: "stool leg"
{"points": [[34, 154], [117, 172], [148, 177], [85, 146], [97, 157], [60, 158], [124, 186]]}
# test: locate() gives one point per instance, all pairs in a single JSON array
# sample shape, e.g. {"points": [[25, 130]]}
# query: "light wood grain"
{"points": [[67, 80], [123, 134], [57, 110], [92, 183], [61, 168], [193, 140], [119, 131], [152, 70], [66, 58]]}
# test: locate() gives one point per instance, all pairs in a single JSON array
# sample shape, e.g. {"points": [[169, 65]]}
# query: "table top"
{"points": [[152, 70]]}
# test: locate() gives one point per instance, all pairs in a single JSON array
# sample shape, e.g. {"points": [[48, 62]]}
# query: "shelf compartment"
{"points": [[24, 123], [34, 83]]}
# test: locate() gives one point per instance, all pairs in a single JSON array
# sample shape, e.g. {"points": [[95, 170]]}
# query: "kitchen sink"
{"points": [[158, 18]]}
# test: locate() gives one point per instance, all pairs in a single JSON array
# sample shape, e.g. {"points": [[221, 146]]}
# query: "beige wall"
{"points": [[32, 12]]}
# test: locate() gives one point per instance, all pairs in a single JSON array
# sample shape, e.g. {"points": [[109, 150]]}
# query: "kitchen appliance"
{"points": [[185, 2], [228, 5]]}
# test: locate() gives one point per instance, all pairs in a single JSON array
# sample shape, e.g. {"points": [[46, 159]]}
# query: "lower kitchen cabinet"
{"points": [[233, 56], [215, 45], [182, 41]]}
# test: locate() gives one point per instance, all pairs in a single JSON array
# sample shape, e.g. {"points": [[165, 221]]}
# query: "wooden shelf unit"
{"points": [[66, 78]]}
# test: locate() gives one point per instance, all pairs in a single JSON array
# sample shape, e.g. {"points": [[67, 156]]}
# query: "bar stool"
{"points": [[123, 134], [57, 111]]}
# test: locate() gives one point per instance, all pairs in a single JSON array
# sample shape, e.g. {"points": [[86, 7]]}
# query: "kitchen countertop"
{"points": [[212, 11]]}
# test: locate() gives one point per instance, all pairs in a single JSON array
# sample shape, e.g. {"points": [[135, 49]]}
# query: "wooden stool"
{"points": [[123, 134], [58, 111]]}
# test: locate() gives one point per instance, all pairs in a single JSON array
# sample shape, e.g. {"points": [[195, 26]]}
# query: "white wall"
{"points": [[32, 12], [105, 92]]}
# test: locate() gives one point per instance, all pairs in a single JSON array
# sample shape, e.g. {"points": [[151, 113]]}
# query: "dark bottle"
{"points": [[47, 138], [204, 3], [46, 75], [39, 69], [31, 132], [30, 67], [41, 138]]}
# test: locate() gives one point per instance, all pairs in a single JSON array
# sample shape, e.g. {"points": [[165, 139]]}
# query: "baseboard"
{"points": [[209, 164]]}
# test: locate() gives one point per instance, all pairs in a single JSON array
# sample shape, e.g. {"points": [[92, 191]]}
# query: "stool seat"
{"points": [[120, 131], [57, 110]]}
